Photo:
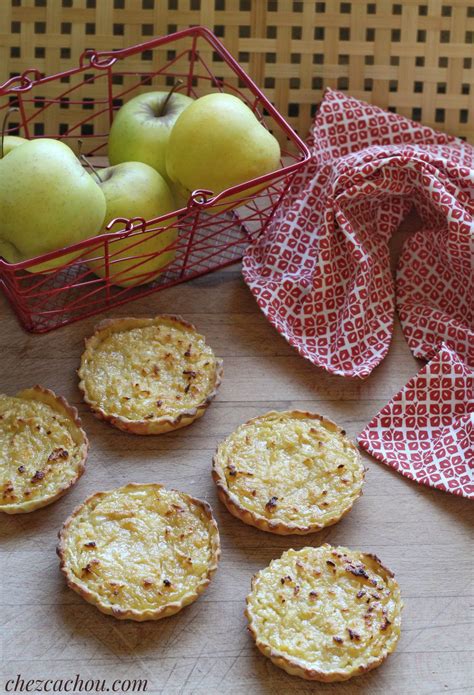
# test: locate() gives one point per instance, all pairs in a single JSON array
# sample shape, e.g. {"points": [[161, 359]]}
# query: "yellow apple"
{"points": [[10, 142], [47, 202], [134, 189], [217, 143], [141, 128]]}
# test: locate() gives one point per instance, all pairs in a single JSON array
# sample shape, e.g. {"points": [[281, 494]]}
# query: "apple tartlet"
{"points": [[43, 449], [288, 472], [325, 614], [139, 552], [148, 375]]}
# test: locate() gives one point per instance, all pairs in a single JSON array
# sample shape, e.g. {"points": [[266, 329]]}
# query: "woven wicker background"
{"points": [[412, 57]]}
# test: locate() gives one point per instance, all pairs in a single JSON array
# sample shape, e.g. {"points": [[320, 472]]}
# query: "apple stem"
{"points": [[4, 125], [177, 84], [91, 167], [88, 163]]}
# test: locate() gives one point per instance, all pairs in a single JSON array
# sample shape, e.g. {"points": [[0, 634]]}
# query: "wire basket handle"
{"points": [[97, 59], [132, 224], [21, 83]]}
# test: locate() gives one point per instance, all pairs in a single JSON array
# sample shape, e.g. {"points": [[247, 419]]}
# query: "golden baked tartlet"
{"points": [[288, 472], [43, 449], [325, 614], [141, 551], [148, 375]]}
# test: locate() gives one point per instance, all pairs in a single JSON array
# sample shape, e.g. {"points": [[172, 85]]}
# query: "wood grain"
{"points": [[47, 631]]}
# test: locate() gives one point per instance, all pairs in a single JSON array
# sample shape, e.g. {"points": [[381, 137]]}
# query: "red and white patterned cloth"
{"points": [[426, 432], [321, 272]]}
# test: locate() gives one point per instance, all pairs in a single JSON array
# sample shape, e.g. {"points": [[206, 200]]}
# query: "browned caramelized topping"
{"points": [[339, 640], [57, 454], [271, 504], [39, 475], [235, 473], [358, 571], [90, 565]]}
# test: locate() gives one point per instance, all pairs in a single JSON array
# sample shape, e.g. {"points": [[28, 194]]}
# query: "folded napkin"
{"points": [[426, 432], [321, 271]]}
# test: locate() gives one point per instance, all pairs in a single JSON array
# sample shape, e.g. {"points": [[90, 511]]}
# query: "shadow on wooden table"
{"points": [[150, 645], [445, 502]]}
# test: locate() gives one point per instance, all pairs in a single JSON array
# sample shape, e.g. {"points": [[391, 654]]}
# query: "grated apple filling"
{"points": [[40, 449], [147, 372], [139, 547], [291, 467], [327, 609]]}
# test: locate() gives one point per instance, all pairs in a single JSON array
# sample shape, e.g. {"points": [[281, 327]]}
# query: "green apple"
{"points": [[134, 189], [180, 194], [47, 201], [9, 144], [216, 143], [141, 128]]}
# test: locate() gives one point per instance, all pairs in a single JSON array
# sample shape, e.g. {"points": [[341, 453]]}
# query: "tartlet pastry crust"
{"points": [[148, 375], [139, 552], [43, 449], [325, 614], [289, 472]]}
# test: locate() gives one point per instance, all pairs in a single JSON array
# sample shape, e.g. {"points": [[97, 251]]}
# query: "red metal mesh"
{"points": [[211, 231]]}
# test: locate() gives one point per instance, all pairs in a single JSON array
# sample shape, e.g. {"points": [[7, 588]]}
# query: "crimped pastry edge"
{"points": [[294, 667], [60, 404], [149, 613], [159, 425], [232, 502]]}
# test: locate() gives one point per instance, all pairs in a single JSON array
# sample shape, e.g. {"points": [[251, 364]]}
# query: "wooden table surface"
{"points": [[48, 631]]}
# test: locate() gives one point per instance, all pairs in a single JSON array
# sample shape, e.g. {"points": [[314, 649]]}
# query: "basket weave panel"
{"points": [[415, 58]]}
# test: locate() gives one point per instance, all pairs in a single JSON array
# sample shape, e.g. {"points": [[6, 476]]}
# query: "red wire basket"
{"points": [[212, 231]]}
